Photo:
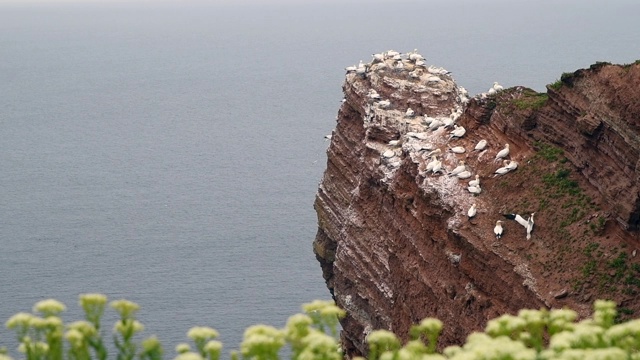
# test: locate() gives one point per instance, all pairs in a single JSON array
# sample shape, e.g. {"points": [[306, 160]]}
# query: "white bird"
{"points": [[384, 103], [503, 153], [475, 190], [435, 124], [457, 150], [432, 163], [458, 131], [527, 224], [395, 142], [351, 68], [530, 224], [414, 56], [502, 170], [409, 112], [434, 152], [328, 137], [448, 122], [460, 168], [475, 182], [481, 145], [464, 175], [428, 120], [498, 229], [373, 95], [491, 92], [378, 57], [512, 165], [437, 167], [391, 53], [497, 87], [472, 211]]}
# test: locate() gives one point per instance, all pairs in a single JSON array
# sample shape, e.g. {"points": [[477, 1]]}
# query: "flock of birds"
{"points": [[433, 157]]}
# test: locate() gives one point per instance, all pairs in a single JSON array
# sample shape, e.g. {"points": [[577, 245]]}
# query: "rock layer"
{"points": [[394, 242]]}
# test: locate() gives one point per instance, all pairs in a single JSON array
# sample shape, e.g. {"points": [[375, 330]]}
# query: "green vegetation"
{"points": [[531, 100], [556, 85], [548, 152], [530, 335]]}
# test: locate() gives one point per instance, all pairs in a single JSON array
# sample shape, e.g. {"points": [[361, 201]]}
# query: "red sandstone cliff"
{"points": [[394, 241]]}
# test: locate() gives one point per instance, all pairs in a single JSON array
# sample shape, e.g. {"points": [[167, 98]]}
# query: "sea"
{"points": [[169, 152]]}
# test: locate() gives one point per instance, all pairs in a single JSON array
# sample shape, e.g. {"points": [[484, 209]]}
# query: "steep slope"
{"points": [[394, 241]]}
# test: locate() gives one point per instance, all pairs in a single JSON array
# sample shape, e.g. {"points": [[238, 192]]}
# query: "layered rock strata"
{"points": [[394, 240]]}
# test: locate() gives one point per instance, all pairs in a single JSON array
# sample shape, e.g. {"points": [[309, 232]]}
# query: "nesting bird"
{"points": [[482, 144], [503, 153], [458, 132], [460, 168], [409, 112], [498, 229], [464, 175], [472, 211], [457, 150], [475, 190], [475, 182]]}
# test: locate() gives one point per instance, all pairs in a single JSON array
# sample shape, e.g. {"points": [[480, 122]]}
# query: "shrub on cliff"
{"points": [[532, 334]]}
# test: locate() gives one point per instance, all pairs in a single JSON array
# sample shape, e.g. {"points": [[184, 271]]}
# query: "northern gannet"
{"points": [[503, 153], [491, 92], [409, 112], [497, 87], [526, 223], [460, 168], [475, 190], [498, 229], [480, 145], [432, 163], [384, 103], [512, 165], [458, 131], [328, 137], [475, 182], [437, 167], [434, 152], [464, 175], [457, 150], [435, 124], [502, 170], [472, 211]]}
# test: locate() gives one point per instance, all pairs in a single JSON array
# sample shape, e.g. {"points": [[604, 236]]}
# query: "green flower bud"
{"points": [[183, 348], [20, 319], [189, 356], [202, 333], [49, 307], [125, 308]]}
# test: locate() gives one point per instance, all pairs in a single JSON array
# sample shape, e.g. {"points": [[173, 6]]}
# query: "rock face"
{"points": [[394, 241]]}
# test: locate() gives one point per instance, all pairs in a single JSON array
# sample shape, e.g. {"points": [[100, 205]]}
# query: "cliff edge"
{"points": [[394, 239]]}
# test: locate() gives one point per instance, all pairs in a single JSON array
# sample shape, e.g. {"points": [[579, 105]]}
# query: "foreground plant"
{"points": [[531, 334]]}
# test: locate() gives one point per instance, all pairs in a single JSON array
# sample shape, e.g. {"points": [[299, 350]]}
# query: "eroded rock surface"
{"points": [[394, 240]]}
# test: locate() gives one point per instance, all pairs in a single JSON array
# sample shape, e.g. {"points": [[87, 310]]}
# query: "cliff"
{"points": [[394, 240]]}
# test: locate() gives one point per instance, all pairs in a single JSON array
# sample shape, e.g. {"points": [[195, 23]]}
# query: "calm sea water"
{"points": [[169, 154]]}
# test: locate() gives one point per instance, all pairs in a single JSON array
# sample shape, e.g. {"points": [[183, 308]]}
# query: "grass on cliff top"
{"points": [[531, 100]]}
